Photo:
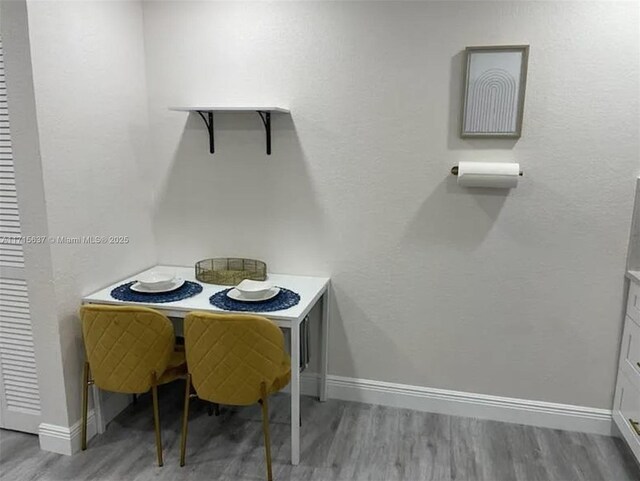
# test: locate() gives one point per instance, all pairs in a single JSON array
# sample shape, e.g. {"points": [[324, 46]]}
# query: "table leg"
{"points": [[97, 410], [324, 348], [295, 393]]}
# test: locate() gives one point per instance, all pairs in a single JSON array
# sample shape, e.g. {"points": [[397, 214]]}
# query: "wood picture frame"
{"points": [[495, 80]]}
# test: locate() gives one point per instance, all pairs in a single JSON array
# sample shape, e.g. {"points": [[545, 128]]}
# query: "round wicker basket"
{"points": [[230, 271]]}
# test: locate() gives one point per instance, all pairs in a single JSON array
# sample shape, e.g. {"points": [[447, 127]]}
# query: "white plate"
{"points": [[156, 280], [254, 289], [236, 295], [177, 282]]}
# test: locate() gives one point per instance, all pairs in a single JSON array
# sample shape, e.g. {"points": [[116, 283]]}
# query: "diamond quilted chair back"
{"points": [[125, 345], [229, 356]]}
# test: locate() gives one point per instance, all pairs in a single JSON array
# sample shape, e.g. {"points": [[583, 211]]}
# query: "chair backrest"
{"points": [[230, 355], [125, 345]]}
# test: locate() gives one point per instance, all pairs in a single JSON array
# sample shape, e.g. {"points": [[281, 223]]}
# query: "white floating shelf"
{"points": [[280, 110], [207, 116]]}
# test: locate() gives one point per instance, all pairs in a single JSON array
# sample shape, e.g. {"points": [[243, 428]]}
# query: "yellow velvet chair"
{"points": [[236, 360], [129, 350]]}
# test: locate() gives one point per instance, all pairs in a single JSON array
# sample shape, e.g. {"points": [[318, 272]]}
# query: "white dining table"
{"points": [[311, 290]]}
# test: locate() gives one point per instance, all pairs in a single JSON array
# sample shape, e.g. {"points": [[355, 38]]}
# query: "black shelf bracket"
{"points": [[208, 121], [207, 118], [265, 116]]}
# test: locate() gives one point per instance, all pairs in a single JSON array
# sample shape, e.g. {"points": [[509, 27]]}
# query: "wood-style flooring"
{"points": [[340, 441]]}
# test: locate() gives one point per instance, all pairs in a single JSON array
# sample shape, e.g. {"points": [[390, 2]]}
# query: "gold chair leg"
{"points": [[213, 408], [185, 419], [265, 429], [156, 416], [85, 404]]}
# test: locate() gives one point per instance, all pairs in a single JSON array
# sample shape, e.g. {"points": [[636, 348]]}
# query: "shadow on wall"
{"points": [[240, 201], [353, 329], [456, 88], [455, 216]]}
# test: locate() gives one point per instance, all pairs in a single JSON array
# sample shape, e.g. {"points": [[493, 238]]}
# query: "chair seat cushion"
{"points": [[177, 368], [283, 378]]}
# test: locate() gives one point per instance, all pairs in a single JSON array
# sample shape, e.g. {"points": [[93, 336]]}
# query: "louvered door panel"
{"points": [[11, 251], [19, 395], [17, 356]]}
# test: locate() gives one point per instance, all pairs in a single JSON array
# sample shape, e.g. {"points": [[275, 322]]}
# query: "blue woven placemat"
{"points": [[124, 293], [284, 300]]}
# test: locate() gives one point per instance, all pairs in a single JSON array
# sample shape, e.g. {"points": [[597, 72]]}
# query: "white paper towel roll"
{"points": [[499, 175]]}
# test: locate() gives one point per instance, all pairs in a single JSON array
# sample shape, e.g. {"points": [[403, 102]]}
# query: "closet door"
{"points": [[19, 395]]}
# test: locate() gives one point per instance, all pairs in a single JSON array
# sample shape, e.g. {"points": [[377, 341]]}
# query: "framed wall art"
{"points": [[494, 85]]}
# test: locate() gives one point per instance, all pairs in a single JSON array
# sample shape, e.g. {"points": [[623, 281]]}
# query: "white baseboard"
{"points": [[63, 439], [457, 403]]}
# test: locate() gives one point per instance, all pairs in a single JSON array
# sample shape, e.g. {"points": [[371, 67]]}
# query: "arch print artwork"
{"points": [[493, 101]]}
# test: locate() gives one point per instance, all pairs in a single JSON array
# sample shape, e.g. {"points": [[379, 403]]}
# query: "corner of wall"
{"points": [[63, 439]]}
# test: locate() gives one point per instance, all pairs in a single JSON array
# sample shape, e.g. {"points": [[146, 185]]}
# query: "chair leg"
{"points": [[134, 398], [185, 419], [265, 429], [156, 417], [85, 404], [213, 408]]}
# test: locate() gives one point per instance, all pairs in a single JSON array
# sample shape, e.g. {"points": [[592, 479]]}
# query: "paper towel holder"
{"points": [[454, 171]]}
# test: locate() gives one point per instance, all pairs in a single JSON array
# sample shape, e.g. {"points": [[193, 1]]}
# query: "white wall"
{"points": [[89, 79], [516, 294]]}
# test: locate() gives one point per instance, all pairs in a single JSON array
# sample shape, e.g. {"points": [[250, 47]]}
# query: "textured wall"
{"points": [[89, 79], [516, 294]]}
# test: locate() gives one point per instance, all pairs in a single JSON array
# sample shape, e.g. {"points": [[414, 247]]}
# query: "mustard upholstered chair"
{"points": [[235, 360], [129, 350]]}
